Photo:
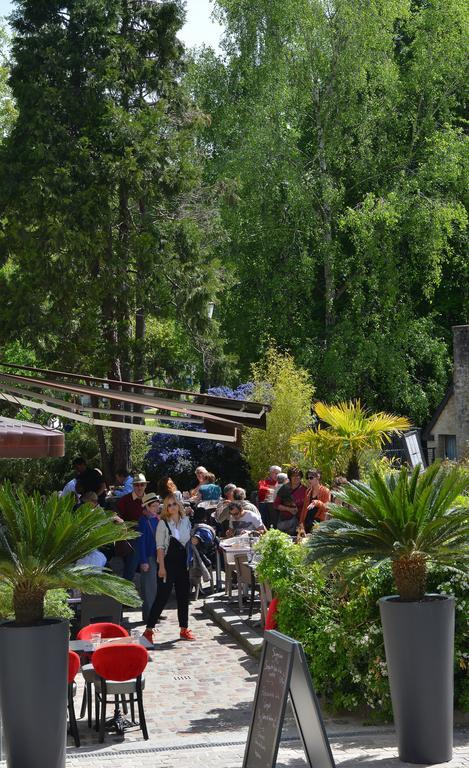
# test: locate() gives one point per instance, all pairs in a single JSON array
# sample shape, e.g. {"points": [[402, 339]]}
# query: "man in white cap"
{"points": [[130, 510], [266, 493]]}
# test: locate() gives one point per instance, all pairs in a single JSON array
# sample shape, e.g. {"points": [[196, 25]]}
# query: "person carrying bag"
{"points": [[172, 536]]}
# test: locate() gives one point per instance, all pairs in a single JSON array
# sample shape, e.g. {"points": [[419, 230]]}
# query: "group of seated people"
{"points": [[283, 502], [196, 519]]}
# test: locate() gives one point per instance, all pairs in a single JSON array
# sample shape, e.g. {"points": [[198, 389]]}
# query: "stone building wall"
{"points": [[444, 426]]}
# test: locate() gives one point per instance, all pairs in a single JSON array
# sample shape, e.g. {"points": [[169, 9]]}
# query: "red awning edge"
{"points": [[24, 440]]}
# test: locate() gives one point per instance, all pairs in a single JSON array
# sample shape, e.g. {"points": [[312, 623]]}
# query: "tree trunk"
{"points": [[326, 216], [28, 604], [139, 358], [410, 577], [104, 453], [353, 469], [120, 437]]}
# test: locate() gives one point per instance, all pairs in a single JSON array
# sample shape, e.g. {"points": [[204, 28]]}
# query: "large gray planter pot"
{"points": [[33, 693], [419, 643]]}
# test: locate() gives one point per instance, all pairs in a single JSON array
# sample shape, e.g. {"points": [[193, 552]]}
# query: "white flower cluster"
{"points": [[383, 668]]}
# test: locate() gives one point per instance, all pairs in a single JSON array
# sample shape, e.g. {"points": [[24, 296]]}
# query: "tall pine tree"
{"points": [[95, 232]]}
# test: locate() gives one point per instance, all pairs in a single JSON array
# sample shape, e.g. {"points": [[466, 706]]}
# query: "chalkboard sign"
{"points": [[283, 672], [269, 705]]}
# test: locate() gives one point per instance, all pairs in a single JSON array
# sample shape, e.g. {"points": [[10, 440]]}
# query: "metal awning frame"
{"points": [[244, 409], [221, 418], [92, 421]]}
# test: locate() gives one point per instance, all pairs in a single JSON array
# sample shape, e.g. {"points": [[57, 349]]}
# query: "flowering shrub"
{"points": [[242, 392], [338, 623], [179, 456]]}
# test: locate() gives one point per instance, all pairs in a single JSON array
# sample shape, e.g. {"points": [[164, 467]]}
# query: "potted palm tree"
{"points": [[409, 521], [40, 542], [350, 431]]}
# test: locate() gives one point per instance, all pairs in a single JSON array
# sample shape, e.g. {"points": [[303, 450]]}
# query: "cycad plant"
{"points": [[407, 519], [40, 542], [351, 430]]}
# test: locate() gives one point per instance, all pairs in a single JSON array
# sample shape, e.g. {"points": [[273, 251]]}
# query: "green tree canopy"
{"points": [[337, 131], [102, 199], [288, 389]]}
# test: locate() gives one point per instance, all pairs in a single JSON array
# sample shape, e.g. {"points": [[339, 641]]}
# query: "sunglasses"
{"points": [[173, 504]]}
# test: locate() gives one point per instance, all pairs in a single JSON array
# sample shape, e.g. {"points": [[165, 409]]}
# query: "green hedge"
{"points": [[338, 623]]}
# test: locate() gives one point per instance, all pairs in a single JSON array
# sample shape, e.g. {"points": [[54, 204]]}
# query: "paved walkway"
{"points": [[198, 701]]}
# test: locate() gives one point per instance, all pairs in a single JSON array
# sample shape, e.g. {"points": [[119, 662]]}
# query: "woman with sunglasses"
{"points": [[172, 535], [316, 500]]}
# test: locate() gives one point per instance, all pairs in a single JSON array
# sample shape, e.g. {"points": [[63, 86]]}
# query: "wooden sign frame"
{"points": [[297, 684]]}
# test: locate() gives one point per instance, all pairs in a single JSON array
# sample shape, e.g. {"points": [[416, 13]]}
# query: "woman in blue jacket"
{"points": [[147, 525]]}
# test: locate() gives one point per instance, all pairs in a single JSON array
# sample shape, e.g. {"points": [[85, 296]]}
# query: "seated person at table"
{"points": [[124, 483], [167, 487], [207, 498], [79, 466], [92, 480], [244, 520], [282, 478], [221, 513], [289, 501], [316, 499], [201, 474], [96, 558], [266, 489], [240, 495], [209, 490]]}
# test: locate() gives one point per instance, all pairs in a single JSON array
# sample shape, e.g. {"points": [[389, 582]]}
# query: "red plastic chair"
{"points": [[106, 630], [73, 667], [271, 618], [119, 669]]}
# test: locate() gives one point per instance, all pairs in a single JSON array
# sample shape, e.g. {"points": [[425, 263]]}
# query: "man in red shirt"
{"points": [[289, 501], [266, 494], [130, 510]]}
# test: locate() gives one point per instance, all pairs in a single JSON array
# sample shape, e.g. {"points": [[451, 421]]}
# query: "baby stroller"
{"points": [[204, 545]]}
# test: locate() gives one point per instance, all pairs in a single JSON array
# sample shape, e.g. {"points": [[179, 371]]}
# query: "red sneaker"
{"points": [[148, 634], [186, 634]]}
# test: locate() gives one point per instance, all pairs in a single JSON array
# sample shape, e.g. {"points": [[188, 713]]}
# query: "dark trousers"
{"points": [[131, 562], [269, 514], [177, 575]]}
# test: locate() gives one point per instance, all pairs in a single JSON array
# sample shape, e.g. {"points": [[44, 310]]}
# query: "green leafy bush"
{"points": [[279, 382], [55, 603], [338, 623]]}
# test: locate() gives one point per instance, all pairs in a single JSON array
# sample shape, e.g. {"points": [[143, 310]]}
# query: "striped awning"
{"points": [[128, 405]]}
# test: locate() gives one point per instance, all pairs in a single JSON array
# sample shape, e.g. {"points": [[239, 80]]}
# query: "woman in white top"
{"points": [[172, 535]]}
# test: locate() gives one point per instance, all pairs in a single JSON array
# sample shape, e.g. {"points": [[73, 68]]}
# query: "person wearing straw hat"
{"points": [[130, 509], [147, 551]]}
